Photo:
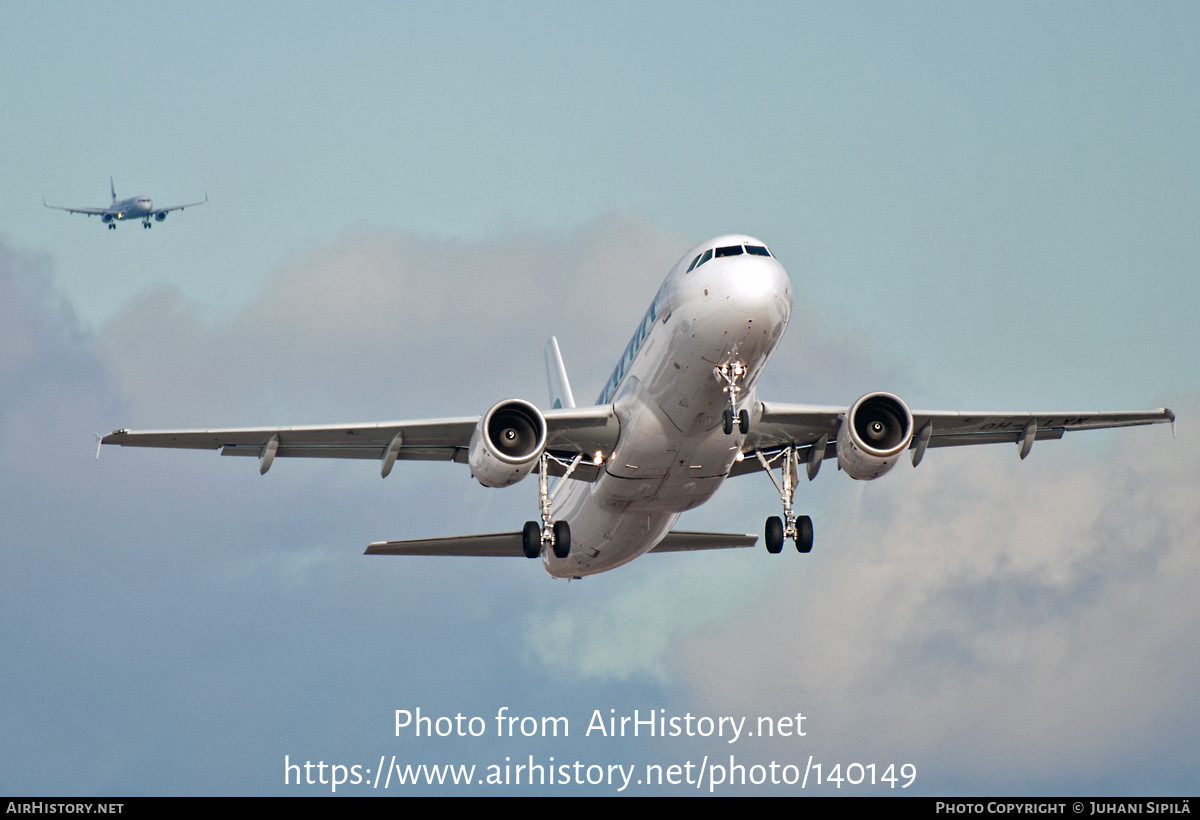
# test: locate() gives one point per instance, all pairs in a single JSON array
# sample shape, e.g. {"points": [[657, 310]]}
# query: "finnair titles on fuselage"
{"points": [[679, 414]]}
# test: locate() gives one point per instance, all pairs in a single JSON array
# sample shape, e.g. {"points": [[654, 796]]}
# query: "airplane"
{"points": [[678, 416], [137, 207]]}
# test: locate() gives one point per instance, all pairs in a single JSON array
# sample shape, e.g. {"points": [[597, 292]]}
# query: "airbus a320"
{"points": [[679, 415], [125, 210]]}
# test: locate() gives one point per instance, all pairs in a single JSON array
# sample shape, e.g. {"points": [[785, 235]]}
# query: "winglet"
{"points": [[99, 441], [556, 375]]}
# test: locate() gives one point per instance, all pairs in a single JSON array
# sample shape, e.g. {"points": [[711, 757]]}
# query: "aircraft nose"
{"points": [[758, 287]]}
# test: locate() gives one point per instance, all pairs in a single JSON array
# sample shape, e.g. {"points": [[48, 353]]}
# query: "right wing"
{"points": [[508, 544], [569, 432]]}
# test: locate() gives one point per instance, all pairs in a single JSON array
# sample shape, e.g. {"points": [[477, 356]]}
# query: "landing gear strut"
{"points": [[732, 374], [797, 528], [554, 534]]}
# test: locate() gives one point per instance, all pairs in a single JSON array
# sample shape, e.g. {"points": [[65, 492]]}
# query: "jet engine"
{"points": [[106, 218], [160, 216], [507, 443], [877, 429]]}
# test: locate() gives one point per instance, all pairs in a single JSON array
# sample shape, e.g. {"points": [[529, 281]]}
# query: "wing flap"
{"points": [[366, 452]]}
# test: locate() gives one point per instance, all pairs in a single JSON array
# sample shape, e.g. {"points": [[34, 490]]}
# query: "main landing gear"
{"points": [[554, 534], [797, 528], [732, 374]]}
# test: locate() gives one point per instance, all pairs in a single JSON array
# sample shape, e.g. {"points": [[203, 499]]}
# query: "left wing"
{"points": [[568, 433], [780, 425], [180, 207]]}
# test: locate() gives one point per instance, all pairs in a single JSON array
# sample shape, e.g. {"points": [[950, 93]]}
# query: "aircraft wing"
{"points": [[569, 432], [508, 544], [180, 207], [88, 211], [803, 425]]}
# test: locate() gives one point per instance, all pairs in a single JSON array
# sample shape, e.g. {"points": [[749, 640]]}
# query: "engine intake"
{"points": [[160, 216], [877, 429], [507, 443]]}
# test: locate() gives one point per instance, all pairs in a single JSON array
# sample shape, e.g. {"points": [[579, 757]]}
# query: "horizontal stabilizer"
{"points": [[508, 544], [491, 545], [684, 541]]}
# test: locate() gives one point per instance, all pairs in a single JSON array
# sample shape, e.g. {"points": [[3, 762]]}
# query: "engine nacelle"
{"points": [[160, 216], [106, 218], [878, 428], [507, 443]]}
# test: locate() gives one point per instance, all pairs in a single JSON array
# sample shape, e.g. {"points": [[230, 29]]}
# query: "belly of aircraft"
{"points": [[655, 473]]}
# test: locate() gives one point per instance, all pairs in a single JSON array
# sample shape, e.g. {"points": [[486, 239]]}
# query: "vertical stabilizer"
{"points": [[112, 187], [556, 375]]}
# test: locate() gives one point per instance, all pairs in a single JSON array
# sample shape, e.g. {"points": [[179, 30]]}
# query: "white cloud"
{"points": [[388, 322], [1002, 621]]}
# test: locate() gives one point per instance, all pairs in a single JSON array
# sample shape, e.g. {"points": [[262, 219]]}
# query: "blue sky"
{"points": [[979, 208]]}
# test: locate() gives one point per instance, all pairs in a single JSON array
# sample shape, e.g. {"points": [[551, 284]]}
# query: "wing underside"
{"points": [[783, 425], [570, 432]]}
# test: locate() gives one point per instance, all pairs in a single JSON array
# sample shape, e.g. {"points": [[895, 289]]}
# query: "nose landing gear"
{"points": [[732, 374]]}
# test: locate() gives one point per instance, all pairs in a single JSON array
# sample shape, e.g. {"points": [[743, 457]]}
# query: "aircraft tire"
{"points": [[774, 535], [744, 422], [562, 539], [804, 534], [531, 539], [727, 421]]}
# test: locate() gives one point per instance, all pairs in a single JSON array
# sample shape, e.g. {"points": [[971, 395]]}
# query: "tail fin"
{"points": [[556, 375], [112, 187]]}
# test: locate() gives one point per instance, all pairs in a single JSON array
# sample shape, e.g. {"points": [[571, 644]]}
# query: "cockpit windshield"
{"points": [[727, 250]]}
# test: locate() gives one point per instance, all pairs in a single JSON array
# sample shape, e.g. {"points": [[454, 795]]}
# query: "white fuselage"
{"points": [[138, 207], [672, 453]]}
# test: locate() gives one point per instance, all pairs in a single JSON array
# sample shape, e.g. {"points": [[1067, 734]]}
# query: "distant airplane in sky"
{"points": [[137, 207], [678, 416]]}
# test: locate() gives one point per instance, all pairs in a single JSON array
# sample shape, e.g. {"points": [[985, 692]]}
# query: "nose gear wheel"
{"points": [[732, 373]]}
